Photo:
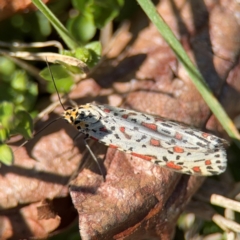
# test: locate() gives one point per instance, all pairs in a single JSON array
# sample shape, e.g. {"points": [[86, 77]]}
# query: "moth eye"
{"points": [[69, 108]]}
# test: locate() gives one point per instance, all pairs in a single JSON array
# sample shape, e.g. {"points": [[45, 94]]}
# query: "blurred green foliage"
{"points": [[17, 98], [90, 15], [64, 79], [19, 91]]}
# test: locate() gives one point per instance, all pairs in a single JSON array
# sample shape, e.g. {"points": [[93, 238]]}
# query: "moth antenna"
{"points": [[55, 86], [87, 146], [37, 133]]}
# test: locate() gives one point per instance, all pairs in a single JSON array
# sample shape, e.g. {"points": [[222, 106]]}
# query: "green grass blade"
{"points": [[62, 31]]}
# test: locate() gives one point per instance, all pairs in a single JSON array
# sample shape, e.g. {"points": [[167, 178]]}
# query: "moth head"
{"points": [[77, 118], [70, 115]]}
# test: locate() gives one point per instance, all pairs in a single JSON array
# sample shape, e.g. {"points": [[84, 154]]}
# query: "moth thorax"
{"points": [[88, 116]]}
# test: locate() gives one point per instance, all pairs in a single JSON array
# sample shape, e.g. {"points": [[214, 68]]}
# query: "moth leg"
{"points": [[77, 136], [93, 156]]}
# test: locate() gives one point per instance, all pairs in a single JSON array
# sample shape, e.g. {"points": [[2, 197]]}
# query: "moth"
{"points": [[155, 139]]}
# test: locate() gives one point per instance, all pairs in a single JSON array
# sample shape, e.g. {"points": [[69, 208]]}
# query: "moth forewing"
{"points": [[151, 138]]}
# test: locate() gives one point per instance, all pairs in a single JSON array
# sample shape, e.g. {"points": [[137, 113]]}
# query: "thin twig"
{"points": [[32, 45], [226, 224], [51, 57], [224, 202]]}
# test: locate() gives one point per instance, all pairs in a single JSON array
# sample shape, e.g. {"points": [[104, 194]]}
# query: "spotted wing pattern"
{"points": [[163, 142]]}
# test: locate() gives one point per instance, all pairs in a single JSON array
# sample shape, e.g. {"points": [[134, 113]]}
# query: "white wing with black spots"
{"points": [[151, 138]]}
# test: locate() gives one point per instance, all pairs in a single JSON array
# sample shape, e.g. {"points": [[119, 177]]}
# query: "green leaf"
{"points": [[82, 27], [82, 5], [83, 54], [6, 154], [20, 80], [7, 67], [106, 11], [25, 124], [95, 46], [102, 12], [66, 36], [95, 50], [70, 68], [63, 85], [44, 24], [67, 53], [4, 134], [90, 54], [14, 122], [62, 78], [17, 88], [6, 114], [30, 96], [58, 73]]}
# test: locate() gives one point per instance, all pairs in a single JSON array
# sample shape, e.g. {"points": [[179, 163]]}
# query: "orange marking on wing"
{"points": [[125, 116], [208, 162], [173, 165], [205, 135], [155, 142], [178, 149], [107, 110], [94, 138], [150, 125], [113, 146], [145, 157], [178, 136], [127, 136], [196, 169], [122, 129]]}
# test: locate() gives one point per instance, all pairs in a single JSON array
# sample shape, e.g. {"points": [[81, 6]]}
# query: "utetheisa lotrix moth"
{"points": [[165, 143], [152, 138]]}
